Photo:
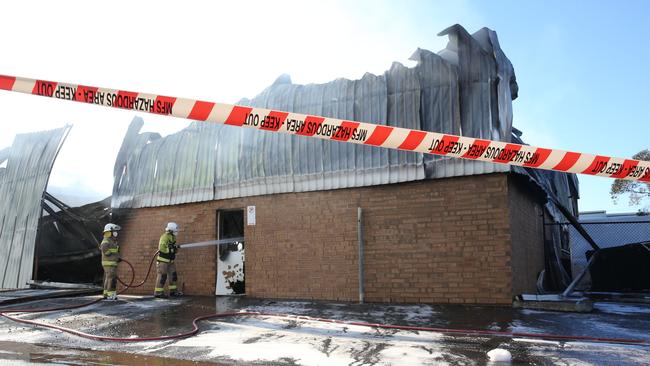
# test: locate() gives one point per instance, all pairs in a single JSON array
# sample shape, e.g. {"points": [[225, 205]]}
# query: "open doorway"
{"points": [[230, 255]]}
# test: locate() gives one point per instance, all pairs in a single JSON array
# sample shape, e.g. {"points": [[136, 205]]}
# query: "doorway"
{"points": [[231, 252]]}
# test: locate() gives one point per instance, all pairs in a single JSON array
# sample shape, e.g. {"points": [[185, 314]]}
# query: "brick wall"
{"points": [[434, 241], [439, 241], [527, 235], [141, 231]]}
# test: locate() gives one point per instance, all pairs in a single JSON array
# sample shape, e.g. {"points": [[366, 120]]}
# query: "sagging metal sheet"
{"points": [[467, 89], [23, 181]]}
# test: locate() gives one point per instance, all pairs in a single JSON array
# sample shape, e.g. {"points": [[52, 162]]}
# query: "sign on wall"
{"points": [[250, 215]]}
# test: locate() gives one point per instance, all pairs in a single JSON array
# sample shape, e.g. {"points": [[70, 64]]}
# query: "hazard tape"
{"points": [[339, 130]]}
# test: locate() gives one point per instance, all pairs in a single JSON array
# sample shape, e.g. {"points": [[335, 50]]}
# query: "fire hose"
{"points": [[195, 321]]}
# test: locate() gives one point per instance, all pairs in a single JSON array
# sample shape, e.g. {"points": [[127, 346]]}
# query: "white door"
{"points": [[230, 254]]}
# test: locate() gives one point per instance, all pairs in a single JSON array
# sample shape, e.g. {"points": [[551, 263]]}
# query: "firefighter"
{"points": [[110, 257], [165, 267]]}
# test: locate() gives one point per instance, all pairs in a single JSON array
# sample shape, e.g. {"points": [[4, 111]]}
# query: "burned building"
{"points": [[41, 237], [434, 229]]}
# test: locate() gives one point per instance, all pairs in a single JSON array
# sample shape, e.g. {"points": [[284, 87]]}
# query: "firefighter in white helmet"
{"points": [[110, 257], [165, 266]]}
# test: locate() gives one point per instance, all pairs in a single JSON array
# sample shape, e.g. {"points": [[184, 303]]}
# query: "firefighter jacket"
{"points": [[167, 248], [110, 252]]}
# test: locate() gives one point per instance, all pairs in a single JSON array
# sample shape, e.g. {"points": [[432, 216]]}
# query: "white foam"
{"points": [[499, 355], [536, 340], [313, 343]]}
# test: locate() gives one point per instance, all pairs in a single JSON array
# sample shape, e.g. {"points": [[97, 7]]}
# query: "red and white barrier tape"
{"points": [[339, 130]]}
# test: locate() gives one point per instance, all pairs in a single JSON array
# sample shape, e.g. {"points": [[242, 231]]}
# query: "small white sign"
{"points": [[251, 215]]}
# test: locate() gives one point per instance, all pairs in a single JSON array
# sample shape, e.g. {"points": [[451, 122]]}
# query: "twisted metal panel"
{"points": [[23, 181], [458, 90]]}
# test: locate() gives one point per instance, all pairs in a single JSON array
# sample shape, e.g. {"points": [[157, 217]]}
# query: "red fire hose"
{"points": [[131, 285]]}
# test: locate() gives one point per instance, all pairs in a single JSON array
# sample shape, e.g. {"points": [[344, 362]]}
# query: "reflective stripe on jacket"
{"points": [[110, 251], [167, 248]]}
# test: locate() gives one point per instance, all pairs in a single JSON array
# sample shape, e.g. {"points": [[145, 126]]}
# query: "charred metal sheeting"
{"points": [[465, 89], [561, 188], [22, 183], [19, 296], [70, 237], [486, 87], [560, 192]]}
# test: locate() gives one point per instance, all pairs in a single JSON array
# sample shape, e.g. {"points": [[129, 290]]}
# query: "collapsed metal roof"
{"points": [[467, 89], [23, 181]]}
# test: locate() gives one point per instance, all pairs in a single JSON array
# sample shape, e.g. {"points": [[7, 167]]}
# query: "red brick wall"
{"points": [[527, 235], [139, 237], [439, 241], [434, 241]]}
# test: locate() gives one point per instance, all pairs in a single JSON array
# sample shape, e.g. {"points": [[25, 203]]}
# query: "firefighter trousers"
{"points": [[110, 280], [164, 272]]}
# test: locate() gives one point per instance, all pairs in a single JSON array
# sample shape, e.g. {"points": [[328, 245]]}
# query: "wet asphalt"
{"points": [[143, 316]]}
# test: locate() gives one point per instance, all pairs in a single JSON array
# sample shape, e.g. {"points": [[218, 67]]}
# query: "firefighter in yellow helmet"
{"points": [[110, 257], [165, 266]]}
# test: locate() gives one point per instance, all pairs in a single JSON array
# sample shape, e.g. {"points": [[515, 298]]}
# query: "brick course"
{"points": [[434, 241]]}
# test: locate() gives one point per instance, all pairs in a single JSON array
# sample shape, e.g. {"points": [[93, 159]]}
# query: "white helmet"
{"points": [[173, 227], [112, 227]]}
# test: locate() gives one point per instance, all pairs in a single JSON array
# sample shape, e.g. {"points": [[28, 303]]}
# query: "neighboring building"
{"points": [[436, 230]]}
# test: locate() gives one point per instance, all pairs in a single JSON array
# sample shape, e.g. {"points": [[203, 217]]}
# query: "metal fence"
{"points": [[606, 234]]}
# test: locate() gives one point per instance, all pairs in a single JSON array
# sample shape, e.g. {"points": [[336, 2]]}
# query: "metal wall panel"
{"points": [[460, 90], [22, 183]]}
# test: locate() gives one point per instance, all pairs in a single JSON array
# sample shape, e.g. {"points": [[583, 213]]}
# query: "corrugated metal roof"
{"points": [[465, 89], [22, 183], [561, 188]]}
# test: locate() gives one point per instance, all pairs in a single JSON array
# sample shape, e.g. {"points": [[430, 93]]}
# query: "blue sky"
{"points": [[584, 77], [582, 66]]}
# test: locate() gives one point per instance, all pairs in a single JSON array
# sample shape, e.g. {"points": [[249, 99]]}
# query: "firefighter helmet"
{"points": [[111, 227], [172, 227]]}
